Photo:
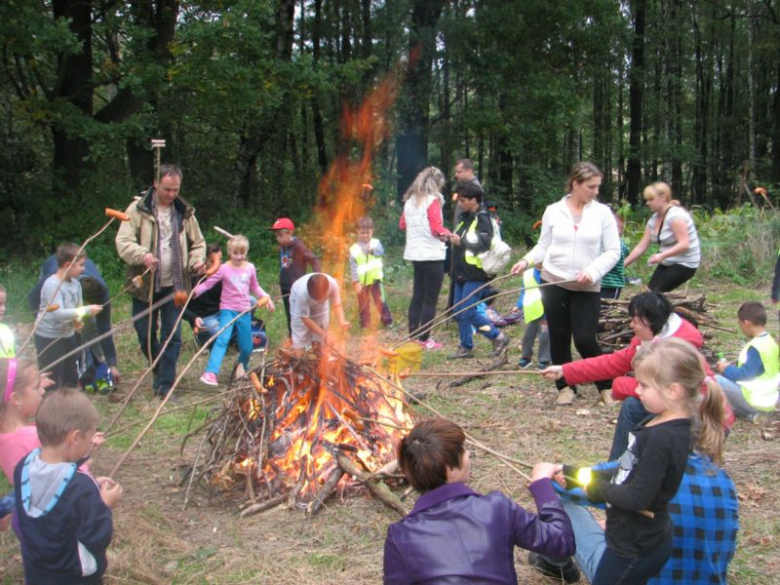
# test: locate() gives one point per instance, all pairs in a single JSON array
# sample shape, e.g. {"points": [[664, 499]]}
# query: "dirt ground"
{"points": [[158, 541]]}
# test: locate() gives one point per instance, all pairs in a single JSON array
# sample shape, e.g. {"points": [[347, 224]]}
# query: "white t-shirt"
{"points": [[302, 305], [691, 258]]}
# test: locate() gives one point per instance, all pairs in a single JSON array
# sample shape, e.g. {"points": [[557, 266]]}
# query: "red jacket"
{"points": [[616, 365]]}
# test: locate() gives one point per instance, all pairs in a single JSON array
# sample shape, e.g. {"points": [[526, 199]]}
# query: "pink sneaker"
{"points": [[209, 378], [431, 344]]}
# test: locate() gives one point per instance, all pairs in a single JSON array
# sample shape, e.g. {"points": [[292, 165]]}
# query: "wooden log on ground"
{"points": [[263, 506], [325, 492], [377, 488]]}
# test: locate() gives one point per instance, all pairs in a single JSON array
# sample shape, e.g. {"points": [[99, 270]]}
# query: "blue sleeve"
{"points": [[752, 368]]}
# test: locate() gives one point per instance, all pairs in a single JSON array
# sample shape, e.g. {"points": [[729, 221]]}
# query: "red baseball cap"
{"points": [[283, 223]]}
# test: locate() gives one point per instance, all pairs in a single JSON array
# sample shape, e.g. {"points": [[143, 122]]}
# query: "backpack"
{"points": [[495, 260]]}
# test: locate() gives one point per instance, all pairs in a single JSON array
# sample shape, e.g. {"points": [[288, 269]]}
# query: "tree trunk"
{"points": [[412, 144], [636, 93], [73, 85]]}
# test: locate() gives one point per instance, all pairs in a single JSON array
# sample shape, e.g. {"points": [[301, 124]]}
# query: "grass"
{"points": [[157, 541]]}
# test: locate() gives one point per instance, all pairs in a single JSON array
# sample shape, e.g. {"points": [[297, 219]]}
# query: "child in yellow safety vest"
{"points": [[365, 263], [530, 303], [751, 385]]}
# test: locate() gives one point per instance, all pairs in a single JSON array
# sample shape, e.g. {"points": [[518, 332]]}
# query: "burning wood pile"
{"points": [[299, 429], [615, 322]]}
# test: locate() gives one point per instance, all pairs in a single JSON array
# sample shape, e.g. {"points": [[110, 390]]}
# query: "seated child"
{"points": [[365, 263], [63, 514], [637, 541], [456, 535], [7, 339], [55, 336], [311, 299], [751, 385], [202, 313], [238, 278]]}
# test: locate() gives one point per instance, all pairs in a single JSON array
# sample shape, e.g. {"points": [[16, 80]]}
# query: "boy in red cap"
{"points": [[293, 257]]}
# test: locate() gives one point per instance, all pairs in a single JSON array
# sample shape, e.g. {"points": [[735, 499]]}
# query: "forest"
{"points": [[250, 97]]}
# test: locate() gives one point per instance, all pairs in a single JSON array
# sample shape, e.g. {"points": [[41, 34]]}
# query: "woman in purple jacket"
{"points": [[456, 535]]}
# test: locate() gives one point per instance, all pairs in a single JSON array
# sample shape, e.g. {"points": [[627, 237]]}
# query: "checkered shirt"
{"points": [[706, 520]]}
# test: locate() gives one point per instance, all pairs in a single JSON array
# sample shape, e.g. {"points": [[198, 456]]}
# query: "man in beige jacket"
{"points": [[162, 235]]}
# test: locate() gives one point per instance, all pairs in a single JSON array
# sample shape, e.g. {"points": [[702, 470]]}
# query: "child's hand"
{"points": [[544, 470], [98, 438], [95, 309], [721, 365], [271, 306], [358, 287], [116, 374], [110, 491], [45, 380], [655, 259], [198, 323], [553, 373]]}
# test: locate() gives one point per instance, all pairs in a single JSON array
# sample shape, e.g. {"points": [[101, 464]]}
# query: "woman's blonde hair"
{"points": [[236, 243], [658, 189], [675, 361], [582, 171], [430, 181]]}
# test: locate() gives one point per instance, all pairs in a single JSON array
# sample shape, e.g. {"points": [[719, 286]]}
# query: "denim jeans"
{"points": [[736, 398], [536, 328], [600, 564], [209, 329], [632, 412], [243, 327], [471, 316], [167, 314]]}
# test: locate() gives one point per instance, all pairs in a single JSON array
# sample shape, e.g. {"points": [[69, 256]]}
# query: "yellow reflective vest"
{"points": [[369, 267], [532, 297], [7, 342], [761, 392]]}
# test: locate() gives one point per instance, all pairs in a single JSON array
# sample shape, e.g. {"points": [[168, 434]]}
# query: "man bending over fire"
{"points": [[311, 299]]}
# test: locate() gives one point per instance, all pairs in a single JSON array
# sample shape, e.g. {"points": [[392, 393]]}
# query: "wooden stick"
{"points": [[473, 373], [164, 401], [503, 458]]}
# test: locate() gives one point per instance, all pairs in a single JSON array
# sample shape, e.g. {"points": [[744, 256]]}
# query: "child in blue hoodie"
{"points": [[63, 514]]}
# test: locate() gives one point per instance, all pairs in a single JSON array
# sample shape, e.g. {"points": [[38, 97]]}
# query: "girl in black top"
{"points": [[638, 536]]}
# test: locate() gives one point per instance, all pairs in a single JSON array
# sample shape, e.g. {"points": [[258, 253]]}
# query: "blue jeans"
{"points": [[632, 412], [210, 327], [243, 327], [600, 564], [167, 314], [471, 316]]}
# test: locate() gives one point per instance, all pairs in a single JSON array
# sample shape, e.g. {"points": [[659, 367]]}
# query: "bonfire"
{"points": [[297, 430]]}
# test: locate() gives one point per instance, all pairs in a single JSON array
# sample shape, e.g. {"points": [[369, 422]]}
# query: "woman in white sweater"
{"points": [[423, 222], [578, 245], [672, 228]]}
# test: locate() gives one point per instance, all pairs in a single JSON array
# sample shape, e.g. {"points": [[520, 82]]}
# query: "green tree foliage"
{"points": [[249, 95]]}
